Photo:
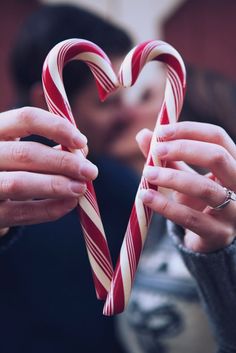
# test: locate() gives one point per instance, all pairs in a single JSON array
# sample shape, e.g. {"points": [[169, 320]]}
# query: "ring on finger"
{"points": [[230, 196]]}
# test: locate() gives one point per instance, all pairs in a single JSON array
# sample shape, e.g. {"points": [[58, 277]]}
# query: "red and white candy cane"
{"points": [[99, 63], [140, 218], [115, 287]]}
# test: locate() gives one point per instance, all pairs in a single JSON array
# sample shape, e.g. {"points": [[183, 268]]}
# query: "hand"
{"points": [[204, 146], [39, 183]]}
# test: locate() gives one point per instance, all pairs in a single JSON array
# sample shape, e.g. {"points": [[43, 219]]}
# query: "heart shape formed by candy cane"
{"points": [[111, 285]]}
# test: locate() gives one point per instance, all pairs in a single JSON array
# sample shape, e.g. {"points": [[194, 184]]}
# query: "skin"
{"points": [[56, 178], [193, 194]]}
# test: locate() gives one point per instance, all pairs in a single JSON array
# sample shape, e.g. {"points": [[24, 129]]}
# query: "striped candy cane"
{"points": [[115, 288], [99, 63], [140, 218]]}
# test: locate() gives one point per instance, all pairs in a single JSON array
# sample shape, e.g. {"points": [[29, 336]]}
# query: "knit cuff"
{"points": [[215, 274]]}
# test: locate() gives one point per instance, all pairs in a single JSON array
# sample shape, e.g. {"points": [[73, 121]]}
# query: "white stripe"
{"points": [[101, 63], [91, 213], [94, 249], [126, 69], [125, 272], [170, 102], [141, 217]]}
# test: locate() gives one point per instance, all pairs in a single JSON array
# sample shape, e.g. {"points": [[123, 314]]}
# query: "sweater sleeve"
{"points": [[10, 238], [215, 274]]}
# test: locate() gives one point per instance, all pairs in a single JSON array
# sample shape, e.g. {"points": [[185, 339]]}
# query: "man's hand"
{"points": [[39, 183]]}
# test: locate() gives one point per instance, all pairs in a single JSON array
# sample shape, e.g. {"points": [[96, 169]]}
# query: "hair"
{"points": [[51, 24], [210, 98]]}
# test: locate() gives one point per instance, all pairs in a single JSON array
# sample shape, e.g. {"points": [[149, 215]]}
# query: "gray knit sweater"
{"points": [[215, 274]]}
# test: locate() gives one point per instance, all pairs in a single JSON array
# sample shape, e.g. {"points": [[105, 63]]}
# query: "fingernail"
{"points": [[89, 170], [80, 139], [166, 131], [141, 133], [146, 195], [160, 149], [150, 173], [78, 188]]}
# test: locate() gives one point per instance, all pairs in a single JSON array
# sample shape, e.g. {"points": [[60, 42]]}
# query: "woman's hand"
{"points": [[192, 203], [39, 183]]}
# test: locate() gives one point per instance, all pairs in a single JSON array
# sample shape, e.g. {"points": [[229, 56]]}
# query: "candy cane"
{"points": [[115, 287], [140, 218], [99, 63]]}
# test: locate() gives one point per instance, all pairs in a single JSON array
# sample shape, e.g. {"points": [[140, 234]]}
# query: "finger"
{"points": [[196, 243], [143, 139], [200, 223], [180, 165], [199, 132], [35, 157], [16, 213], [83, 150], [202, 154], [34, 121], [182, 198], [25, 186], [193, 185], [195, 203]]}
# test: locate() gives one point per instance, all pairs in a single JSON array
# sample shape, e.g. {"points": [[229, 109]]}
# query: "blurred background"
{"points": [[201, 30], [203, 33]]}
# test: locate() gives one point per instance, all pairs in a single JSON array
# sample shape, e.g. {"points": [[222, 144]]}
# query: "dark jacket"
{"points": [[47, 297]]}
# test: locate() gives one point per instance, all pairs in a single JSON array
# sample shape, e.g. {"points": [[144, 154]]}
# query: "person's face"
{"points": [[144, 109], [102, 123]]}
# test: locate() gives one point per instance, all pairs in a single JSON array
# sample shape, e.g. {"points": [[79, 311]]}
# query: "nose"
{"points": [[128, 111]]}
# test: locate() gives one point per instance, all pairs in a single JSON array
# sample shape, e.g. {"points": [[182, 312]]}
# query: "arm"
{"points": [[207, 242], [38, 183]]}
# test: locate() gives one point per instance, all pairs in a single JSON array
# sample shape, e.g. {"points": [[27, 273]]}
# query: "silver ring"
{"points": [[230, 196]]}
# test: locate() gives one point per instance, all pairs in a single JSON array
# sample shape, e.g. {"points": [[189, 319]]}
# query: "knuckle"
{"points": [[165, 207], [208, 190], [190, 221], [220, 157], [60, 127], [56, 184], [220, 134], [25, 114], [181, 147], [171, 177], [10, 186], [178, 197], [64, 161], [20, 152], [51, 213], [21, 215]]}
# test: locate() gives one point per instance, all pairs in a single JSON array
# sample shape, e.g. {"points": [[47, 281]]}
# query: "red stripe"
{"points": [[77, 48], [101, 292], [94, 232], [98, 255], [116, 302], [54, 93], [175, 64], [164, 117], [136, 60]]}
